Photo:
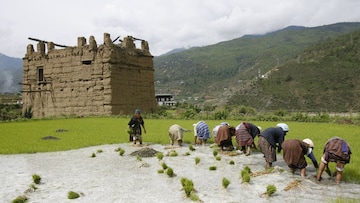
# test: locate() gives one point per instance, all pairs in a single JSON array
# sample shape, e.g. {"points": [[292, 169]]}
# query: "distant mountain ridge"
{"points": [[214, 73], [11, 74], [323, 78]]}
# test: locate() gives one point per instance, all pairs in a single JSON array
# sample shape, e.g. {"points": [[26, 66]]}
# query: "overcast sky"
{"points": [[165, 24]]}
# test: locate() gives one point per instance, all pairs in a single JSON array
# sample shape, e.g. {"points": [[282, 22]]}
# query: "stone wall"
{"points": [[87, 79]]}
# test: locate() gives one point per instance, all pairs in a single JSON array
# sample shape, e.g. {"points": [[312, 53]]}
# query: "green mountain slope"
{"points": [[214, 73], [322, 78]]}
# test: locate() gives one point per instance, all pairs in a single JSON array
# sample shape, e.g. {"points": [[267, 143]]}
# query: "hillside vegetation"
{"points": [[322, 78], [214, 73]]}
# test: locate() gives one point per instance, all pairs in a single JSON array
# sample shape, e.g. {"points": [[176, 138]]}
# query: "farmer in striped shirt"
{"points": [[201, 132]]}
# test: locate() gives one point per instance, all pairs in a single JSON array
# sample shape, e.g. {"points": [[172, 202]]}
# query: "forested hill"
{"points": [[212, 74], [324, 77]]}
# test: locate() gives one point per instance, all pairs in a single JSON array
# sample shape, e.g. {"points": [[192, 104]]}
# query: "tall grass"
{"points": [[26, 136]]}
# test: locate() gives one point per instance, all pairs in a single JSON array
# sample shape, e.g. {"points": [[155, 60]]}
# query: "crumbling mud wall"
{"points": [[88, 79]]}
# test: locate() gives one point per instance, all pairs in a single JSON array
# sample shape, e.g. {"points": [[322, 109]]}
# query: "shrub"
{"points": [[191, 148], [93, 155], [231, 162], [221, 115], [187, 153], [99, 151], [36, 178], [73, 195], [188, 186], [138, 157], [225, 182], [28, 113], [20, 199], [218, 158], [161, 171], [160, 156], [170, 172], [212, 168], [270, 189], [197, 160]]}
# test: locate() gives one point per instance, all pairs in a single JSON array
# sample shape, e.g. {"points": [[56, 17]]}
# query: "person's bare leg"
{"points": [[180, 142], [338, 177], [248, 151], [268, 165], [303, 172], [321, 170]]}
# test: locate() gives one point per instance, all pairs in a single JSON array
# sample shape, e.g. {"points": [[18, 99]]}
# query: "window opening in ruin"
{"points": [[86, 62], [40, 74]]}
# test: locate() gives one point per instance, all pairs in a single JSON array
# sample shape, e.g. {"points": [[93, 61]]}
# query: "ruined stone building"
{"points": [[87, 79]]}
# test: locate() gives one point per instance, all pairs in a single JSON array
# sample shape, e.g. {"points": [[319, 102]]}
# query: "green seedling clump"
{"points": [[270, 190], [20, 199], [160, 156], [188, 186], [197, 160], [164, 166], [225, 182], [36, 178], [215, 152], [73, 195], [170, 172]]}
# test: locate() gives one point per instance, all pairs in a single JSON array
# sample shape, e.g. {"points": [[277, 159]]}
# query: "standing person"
{"points": [[176, 133], [294, 152], [201, 132], [135, 124], [245, 133], [268, 140], [336, 150]]}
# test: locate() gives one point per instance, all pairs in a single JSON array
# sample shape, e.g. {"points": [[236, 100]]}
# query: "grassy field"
{"points": [[26, 136]]}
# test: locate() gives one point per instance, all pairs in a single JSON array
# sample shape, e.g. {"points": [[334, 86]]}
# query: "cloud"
{"points": [[165, 24]]}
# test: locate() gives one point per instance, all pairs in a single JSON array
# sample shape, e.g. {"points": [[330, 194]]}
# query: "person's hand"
{"points": [[144, 131]]}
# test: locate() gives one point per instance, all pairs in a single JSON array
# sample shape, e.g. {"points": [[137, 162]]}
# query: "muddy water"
{"points": [[109, 177]]}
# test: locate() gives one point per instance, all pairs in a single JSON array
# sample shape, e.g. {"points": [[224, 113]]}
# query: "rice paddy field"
{"points": [[35, 136]]}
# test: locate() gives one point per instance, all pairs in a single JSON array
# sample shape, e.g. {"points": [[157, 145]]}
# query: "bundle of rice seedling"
{"points": [[293, 184], [260, 173]]}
